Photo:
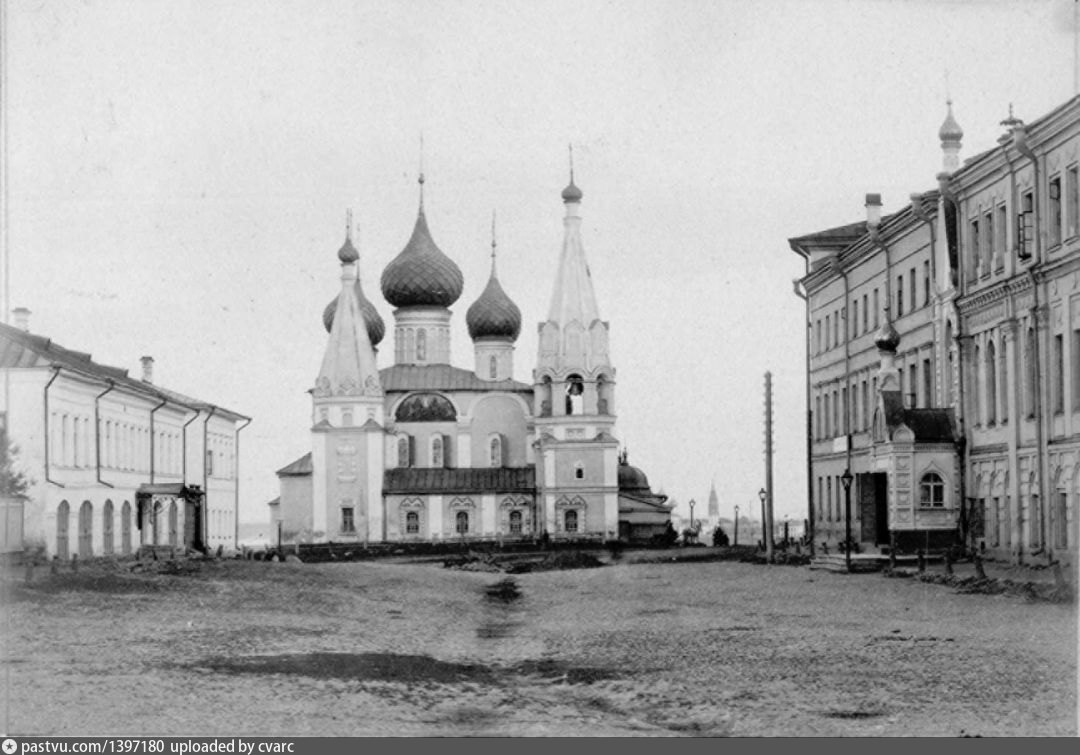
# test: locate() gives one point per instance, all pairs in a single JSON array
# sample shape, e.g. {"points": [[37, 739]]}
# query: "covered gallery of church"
{"points": [[424, 450]]}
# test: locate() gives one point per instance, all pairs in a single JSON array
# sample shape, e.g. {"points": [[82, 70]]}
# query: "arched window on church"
{"points": [[461, 523], [403, 451], [412, 523], [570, 521], [575, 395], [421, 345], [495, 451], [436, 451], [515, 522], [493, 367]]}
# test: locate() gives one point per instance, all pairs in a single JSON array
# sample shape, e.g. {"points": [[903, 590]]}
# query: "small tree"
{"points": [[13, 483]]}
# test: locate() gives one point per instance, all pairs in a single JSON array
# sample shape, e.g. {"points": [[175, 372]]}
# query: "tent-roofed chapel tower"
{"points": [[348, 416], [574, 382]]}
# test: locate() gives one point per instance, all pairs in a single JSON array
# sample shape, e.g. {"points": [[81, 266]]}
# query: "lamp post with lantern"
{"points": [[736, 524], [847, 479]]}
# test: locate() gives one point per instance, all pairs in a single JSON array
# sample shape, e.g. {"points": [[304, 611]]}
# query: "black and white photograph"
{"points": [[537, 368]]}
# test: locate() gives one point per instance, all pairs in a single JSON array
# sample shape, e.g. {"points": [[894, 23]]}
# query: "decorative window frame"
{"points": [[412, 506], [946, 498]]}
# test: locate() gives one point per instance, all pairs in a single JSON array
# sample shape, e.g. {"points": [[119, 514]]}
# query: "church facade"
{"points": [[422, 450]]}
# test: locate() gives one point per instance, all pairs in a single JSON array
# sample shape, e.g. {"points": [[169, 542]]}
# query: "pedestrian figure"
{"points": [[75, 562], [979, 571], [922, 561]]}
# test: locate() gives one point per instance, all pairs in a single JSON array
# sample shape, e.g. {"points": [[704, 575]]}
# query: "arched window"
{"points": [[436, 451], [495, 451], [976, 380], [932, 490], [991, 383], [173, 534], [1003, 379], [545, 397], [421, 345], [570, 519], [125, 528], [575, 395], [515, 522], [412, 523], [579, 471], [346, 418], [86, 529], [107, 528], [461, 523], [493, 367], [403, 454], [1029, 373], [63, 512]]}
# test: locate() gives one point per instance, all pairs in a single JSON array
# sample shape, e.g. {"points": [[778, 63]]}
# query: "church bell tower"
{"points": [[574, 391]]}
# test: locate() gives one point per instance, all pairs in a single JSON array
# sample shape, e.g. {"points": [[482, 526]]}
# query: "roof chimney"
{"points": [[22, 318], [147, 369], [873, 210]]}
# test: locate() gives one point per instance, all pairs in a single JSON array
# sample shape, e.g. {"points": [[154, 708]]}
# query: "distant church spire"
{"points": [[573, 298]]}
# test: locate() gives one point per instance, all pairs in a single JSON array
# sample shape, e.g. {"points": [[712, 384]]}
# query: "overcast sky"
{"points": [[179, 173]]}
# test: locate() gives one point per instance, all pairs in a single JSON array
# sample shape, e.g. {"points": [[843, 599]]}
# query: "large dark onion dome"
{"points": [[494, 314], [632, 479], [887, 339], [375, 327], [421, 275]]}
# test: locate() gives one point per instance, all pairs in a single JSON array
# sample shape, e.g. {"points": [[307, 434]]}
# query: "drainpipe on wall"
{"points": [[802, 293], [183, 447], [1043, 420], [206, 480], [56, 374], [97, 433], [152, 441], [236, 519]]}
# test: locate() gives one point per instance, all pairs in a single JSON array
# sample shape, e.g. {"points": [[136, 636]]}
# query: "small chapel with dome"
{"points": [[422, 450]]}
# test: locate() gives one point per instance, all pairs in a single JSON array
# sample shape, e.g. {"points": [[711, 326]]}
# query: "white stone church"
{"points": [[424, 450]]}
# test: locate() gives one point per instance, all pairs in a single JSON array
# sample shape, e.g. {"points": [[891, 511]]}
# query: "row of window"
{"points": [[415, 344], [831, 406], [831, 502], [994, 521], [848, 322], [122, 446], [439, 450], [987, 241], [515, 522]]}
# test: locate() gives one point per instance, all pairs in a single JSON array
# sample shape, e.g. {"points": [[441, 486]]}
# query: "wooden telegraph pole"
{"points": [[769, 545]]}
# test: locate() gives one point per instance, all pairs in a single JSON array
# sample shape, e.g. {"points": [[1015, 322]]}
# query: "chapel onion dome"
{"points": [[887, 339], [347, 253], [571, 193], [376, 328], [494, 314], [421, 275], [950, 130], [632, 479]]}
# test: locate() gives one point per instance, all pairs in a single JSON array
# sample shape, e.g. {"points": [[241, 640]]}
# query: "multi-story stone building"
{"points": [[944, 354], [114, 462]]}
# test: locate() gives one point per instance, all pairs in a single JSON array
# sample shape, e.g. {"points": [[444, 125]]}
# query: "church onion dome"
{"points": [[421, 275], [632, 479], [887, 339], [494, 314], [347, 253], [571, 193], [950, 130], [375, 327]]}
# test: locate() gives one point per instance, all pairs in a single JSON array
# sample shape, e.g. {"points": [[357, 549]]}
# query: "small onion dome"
{"points": [[347, 253], [950, 130], [632, 479], [887, 339], [571, 193], [421, 275], [376, 329], [494, 314]]}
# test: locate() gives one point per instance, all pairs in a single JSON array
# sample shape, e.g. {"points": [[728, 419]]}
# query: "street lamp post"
{"points": [[691, 513], [736, 524], [763, 494], [846, 479]]}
